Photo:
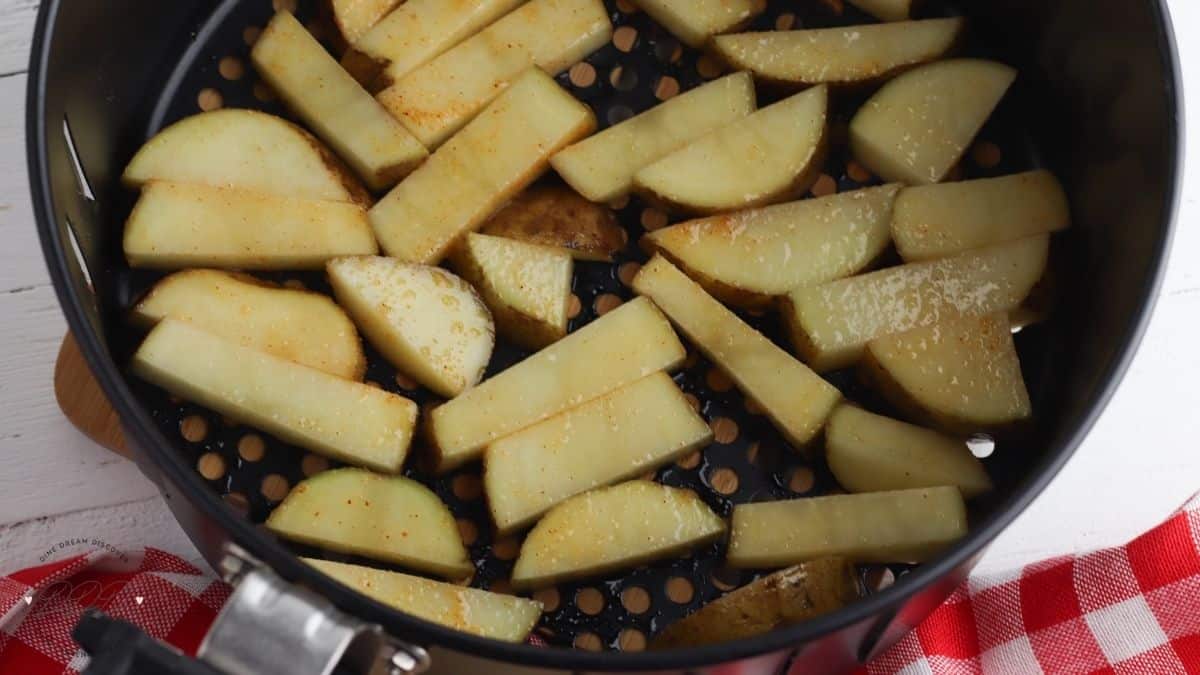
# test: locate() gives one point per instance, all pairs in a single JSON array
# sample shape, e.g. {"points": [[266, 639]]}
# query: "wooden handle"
{"points": [[83, 402]]}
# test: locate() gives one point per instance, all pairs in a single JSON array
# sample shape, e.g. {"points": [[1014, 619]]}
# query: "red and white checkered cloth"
{"points": [[1128, 610]]}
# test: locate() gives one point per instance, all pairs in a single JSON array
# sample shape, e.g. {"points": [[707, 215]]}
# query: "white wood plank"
{"points": [[21, 264], [16, 30]]}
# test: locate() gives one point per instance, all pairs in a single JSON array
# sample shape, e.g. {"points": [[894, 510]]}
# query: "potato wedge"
{"points": [[614, 528], [906, 526], [958, 374], [526, 286], [772, 155], [784, 598], [623, 346], [618, 436], [885, 10], [847, 55], [441, 97], [750, 258], [176, 225], [832, 323], [796, 399], [415, 33], [557, 216], [388, 518], [602, 167], [307, 328], [345, 420], [245, 149], [425, 321], [324, 95], [873, 453], [915, 129], [935, 221], [470, 610], [694, 21], [481, 168], [354, 18]]}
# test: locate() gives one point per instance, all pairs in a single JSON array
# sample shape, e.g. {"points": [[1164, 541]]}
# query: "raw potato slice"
{"points": [[496, 156], [623, 346], [424, 320], [694, 21], [526, 286], [872, 453], [616, 437], [796, 399], [299, 326], [748, 259], [491, 615], [354, 18], [324, 95], [772, 155], [557, 216], [439, 98], [602, 167], [177, 225], [415, 33], [908, 526], [959, 374], [614, 528], [935, 221], [388, 518], [244, 149], [885, 10], [915, 129], [784, 598], [845, 55], [832, 323], [348, 421]]}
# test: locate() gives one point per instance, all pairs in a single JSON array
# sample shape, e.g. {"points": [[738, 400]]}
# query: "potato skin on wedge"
{"points": [[552, 215], [784, 598], [308, 328]]}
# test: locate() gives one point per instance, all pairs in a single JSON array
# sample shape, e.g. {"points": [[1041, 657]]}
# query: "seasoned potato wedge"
{"points": [[427, 322], [491, 615], [959, 374], [299, 326], [354, 18], [245, 149], [838, 56], [439, 98], [625, 345], [312, 83], [694, 21], [832, 323], [750, 258], [784, 598], [796, 399], [415, 33], [907, 526], [346, 420], [767, 157], [526, 286], [935, 221], [388, 518], [496, 156], [915, 129], [602, 167], [176, 225], [614, 528], [618, 436], [873, 453], [557, 216], [885, 10]]}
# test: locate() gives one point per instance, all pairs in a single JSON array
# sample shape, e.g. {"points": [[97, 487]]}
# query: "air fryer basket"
{"points": [[1096, 102]]}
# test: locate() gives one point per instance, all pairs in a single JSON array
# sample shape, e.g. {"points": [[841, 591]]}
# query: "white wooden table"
{"points": [[1141, 461]]}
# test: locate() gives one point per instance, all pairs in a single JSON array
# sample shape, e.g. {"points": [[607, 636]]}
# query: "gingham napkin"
{"points": [[1133, 609]]}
